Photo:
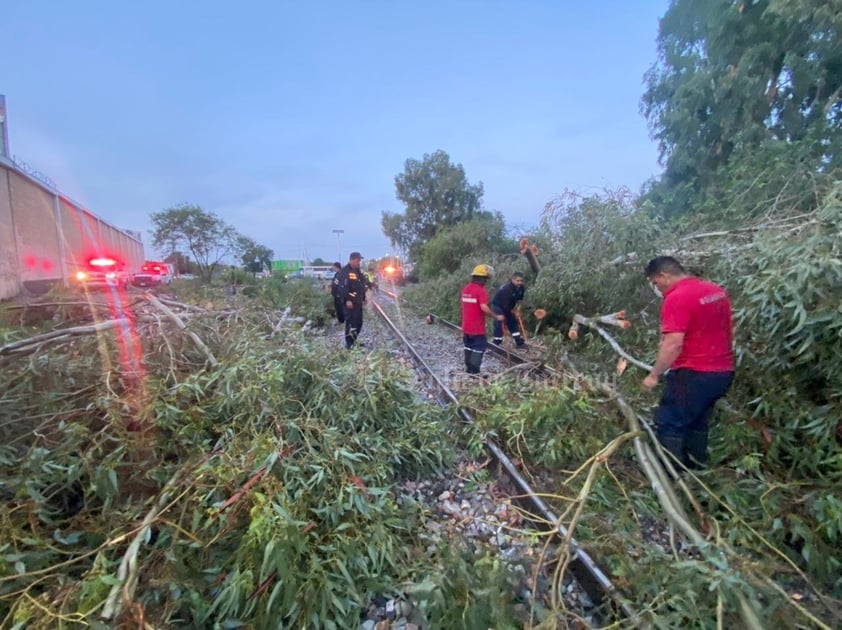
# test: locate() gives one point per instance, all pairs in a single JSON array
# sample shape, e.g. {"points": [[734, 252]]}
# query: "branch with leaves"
{"points": [[614, 319]]}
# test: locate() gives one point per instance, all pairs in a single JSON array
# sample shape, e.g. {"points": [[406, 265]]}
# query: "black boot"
{"points": [[675, 445], [468, 362], [476, 362], [697, 449]]}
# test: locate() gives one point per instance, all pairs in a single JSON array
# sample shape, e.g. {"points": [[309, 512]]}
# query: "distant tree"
{"points": [[250, 251], [481, 236], [737, 77], [436, 194], [319, 262], [189, 228]]}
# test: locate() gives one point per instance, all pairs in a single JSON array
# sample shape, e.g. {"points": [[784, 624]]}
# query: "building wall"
{"points": [[33, 210], [9, 274], [45, 237]]}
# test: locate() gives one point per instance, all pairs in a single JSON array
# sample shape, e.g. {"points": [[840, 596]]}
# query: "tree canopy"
{"points": [[482, 235], [436, 194], [208, 239], [254, 256], [735, 77]]}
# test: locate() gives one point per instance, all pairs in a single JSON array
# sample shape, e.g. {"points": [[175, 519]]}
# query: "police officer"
{"points": [[352, 287], [338, 306]]}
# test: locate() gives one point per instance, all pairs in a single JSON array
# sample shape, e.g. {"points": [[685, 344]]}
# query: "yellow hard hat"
{"points": [[483, 271]]}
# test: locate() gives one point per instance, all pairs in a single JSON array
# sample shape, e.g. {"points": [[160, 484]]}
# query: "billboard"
{"points": [[286, 266]]}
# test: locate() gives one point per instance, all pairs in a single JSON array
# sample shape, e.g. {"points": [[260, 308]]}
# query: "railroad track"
{"points": [[668, 487], [592, 579]]}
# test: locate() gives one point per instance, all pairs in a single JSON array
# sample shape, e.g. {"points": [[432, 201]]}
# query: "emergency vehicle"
{"points": [[102, 272], [153, 273]]}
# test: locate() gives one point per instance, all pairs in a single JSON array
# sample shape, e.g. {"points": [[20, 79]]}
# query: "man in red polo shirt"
{"points": [[475, 309], [696, 348]]}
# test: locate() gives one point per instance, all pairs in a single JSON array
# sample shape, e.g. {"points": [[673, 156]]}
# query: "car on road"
{"points": [[153, 274]]}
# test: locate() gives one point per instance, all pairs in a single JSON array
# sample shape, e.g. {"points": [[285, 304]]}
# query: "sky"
{"points": [[290, 120]]}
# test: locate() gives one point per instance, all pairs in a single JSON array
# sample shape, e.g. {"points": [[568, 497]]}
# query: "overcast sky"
{"points": [[291, 119]]}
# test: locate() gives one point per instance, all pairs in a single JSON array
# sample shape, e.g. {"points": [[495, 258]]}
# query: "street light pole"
{"points": [[339, 234]]}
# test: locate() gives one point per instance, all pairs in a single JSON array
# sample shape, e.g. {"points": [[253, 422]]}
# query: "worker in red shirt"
{"points": [[696, 347], [475, 309]]}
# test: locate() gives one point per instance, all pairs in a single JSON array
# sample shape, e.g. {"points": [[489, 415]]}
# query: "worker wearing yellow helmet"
{"points": [[475, 309]]}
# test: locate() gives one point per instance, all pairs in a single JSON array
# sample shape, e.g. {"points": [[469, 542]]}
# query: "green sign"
{"points": [[286, 266]]}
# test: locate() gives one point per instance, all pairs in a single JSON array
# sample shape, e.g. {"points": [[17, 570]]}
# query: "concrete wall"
{"points": [[9, 273], [45, 237]]}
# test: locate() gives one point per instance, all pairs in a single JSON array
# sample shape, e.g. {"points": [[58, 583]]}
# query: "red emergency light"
{"points": [[102, 262], [155, 267]]}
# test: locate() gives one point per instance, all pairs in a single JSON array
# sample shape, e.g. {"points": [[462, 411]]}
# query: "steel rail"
{"points": [[584, 569]]}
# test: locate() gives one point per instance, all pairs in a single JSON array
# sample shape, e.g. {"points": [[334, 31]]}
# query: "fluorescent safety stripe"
{"points": [[468, 299], [473, 350]]}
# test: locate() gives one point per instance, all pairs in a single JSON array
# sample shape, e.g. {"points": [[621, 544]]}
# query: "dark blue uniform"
{"points": [[338, 305], [503, 303], [352, 287]]}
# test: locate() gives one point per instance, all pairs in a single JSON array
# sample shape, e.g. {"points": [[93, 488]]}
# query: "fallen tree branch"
{"points": [[182, 326], [123, 592], [182, 305], [242, 491], [659, 480], [36, 305], [281, 321], [531, 254], [592, 323], [789, 224], [27, 346]]}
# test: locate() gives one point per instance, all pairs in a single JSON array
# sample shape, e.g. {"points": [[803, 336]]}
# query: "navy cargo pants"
{"points": [[682, 416], [474, 350], [353, 323], [511, 325]]}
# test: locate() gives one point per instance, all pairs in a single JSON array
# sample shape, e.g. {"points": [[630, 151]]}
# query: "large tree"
{"points": [[251, 251], [483, 235], [189, 228], [436, 194], [735, 77]]}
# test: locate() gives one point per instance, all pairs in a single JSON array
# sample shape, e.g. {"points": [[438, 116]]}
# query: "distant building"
{"points": [[286, 267]]}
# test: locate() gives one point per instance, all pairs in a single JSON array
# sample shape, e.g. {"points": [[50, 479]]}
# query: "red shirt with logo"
{"points": [[473, 319], [702, 311]]}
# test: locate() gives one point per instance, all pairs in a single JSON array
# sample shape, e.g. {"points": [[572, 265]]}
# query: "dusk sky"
{"points": [[291, 119]]}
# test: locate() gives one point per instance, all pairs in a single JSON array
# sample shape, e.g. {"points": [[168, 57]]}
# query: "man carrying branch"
{"points": [[696, 348], [504, 303]]}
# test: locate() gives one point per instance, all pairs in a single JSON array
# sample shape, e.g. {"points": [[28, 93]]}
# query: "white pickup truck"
{"points": [[153, 274]]}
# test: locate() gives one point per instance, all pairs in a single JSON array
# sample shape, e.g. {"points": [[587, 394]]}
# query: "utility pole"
{"points": [[339, 234]]}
